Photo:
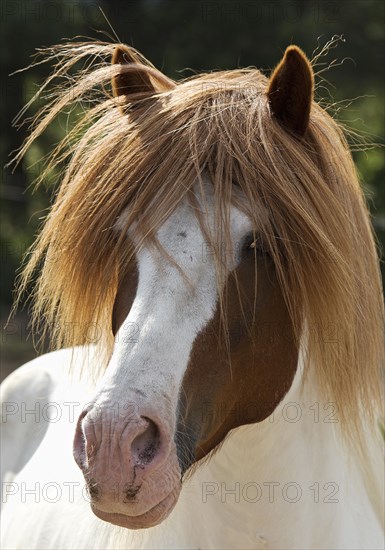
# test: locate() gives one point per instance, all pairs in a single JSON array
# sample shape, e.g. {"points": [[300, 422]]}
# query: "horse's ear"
{"points": [[129, 82], [291, 90]]}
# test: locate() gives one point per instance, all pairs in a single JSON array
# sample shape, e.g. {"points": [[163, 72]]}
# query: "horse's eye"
{"points": [[253, 244]]}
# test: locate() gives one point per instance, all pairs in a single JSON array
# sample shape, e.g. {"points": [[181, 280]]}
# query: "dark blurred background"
{"points": [[174, 35]]}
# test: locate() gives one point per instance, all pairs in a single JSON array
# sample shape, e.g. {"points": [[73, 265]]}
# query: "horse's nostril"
{"points": [[79, 446], [146, 445]]}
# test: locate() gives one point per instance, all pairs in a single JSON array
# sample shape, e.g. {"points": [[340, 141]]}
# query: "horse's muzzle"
{"points": [[130, 464]]}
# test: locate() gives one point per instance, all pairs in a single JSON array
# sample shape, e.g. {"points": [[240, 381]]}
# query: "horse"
{"points": [[209, 280]]}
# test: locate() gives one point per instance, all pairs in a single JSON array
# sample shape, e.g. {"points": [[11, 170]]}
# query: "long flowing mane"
{"points": [[145, 160]]}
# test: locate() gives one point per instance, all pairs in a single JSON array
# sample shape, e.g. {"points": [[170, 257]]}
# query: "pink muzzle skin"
{"points": [[130, 465]]}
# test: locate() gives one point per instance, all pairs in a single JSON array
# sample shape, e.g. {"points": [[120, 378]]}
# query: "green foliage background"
{"points": [[175, 34]]}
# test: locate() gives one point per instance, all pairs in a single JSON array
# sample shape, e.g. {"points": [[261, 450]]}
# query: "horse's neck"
{"points": [[274, 479]]}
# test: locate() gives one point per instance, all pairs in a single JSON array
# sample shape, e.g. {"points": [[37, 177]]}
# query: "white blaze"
{"points": [[169, 309]]}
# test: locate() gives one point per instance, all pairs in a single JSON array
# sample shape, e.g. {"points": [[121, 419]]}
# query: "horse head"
{"points": [[188, 367]]}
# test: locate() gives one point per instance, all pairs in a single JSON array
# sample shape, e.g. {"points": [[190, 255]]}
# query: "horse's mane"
{"points": [[144, 156]]}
